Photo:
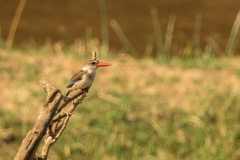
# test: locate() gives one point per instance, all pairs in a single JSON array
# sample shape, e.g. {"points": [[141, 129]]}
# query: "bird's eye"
{"points": [[95, 62]]}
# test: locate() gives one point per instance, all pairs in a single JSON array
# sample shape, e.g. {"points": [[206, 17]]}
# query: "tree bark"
{"points": [[50, 122]]}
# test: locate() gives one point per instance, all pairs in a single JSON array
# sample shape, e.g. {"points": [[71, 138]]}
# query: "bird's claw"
{"points": [[87, 88], [85, 91], [84, 94]]}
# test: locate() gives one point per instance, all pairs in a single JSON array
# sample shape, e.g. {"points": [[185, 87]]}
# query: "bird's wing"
{"points": [[70, 84], [77, 77]]}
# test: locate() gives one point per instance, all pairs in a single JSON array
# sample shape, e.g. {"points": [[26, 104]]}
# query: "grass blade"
{"points": [[157, 30], [169, 34], [123, 38], [14, 24], [197, 32], [104, 23], [229, 51], [149, 47], [213, 47]]}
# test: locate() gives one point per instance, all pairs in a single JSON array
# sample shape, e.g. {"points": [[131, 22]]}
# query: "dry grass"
{"points": [[127, 99], [21, 72]]}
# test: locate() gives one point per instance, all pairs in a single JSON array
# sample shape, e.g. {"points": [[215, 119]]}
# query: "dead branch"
{"points": [[51, 122]]}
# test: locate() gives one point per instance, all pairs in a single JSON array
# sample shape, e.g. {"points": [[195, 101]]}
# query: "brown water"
{"points": [[41, 19]]}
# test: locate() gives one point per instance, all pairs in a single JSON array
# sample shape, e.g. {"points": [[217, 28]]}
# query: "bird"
{"points": [[83, 79]]}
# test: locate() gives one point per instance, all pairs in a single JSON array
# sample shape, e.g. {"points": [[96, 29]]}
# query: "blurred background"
{"points": [[177, 98], [68, 20]]}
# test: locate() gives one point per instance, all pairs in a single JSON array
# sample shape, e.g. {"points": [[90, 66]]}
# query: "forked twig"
{"points": [[51, 122]]}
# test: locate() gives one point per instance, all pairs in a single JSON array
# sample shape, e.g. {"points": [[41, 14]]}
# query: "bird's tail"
{"points": [[68, 91]]}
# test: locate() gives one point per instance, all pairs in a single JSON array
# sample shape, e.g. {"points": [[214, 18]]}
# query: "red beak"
{"points": [[103, 64]]}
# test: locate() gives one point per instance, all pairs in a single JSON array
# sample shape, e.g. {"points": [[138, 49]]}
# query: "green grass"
{"points": [[160, 106], [132, 117], [125, 132]]}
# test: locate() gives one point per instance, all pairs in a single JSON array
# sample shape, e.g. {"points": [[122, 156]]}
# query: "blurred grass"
{"points": [[158, 106], [136, 109]]}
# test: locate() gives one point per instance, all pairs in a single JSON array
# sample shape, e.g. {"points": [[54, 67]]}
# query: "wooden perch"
{"points": [[51, 122]]}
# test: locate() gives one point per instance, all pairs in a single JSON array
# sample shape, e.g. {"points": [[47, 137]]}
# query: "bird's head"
{"points": [[94, 64]]}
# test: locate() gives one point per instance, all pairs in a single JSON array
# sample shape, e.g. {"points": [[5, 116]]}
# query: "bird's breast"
{"points": [[85, 82]]}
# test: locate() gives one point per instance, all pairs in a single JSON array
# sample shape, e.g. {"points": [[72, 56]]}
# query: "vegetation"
{"points": [[182, 108], [148, 106]]}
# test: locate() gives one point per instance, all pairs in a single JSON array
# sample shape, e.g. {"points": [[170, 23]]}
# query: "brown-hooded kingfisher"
{"points": [[83, 79]]}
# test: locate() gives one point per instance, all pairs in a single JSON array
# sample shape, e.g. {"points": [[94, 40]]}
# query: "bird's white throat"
{"points": [[89, 69]]}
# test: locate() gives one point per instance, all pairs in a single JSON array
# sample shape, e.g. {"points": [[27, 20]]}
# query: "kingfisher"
{"points": [[83, 79]]}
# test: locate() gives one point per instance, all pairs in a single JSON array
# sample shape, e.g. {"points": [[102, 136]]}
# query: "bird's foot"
{"points": [[85, 91], [84, 94], [87, 88]]}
